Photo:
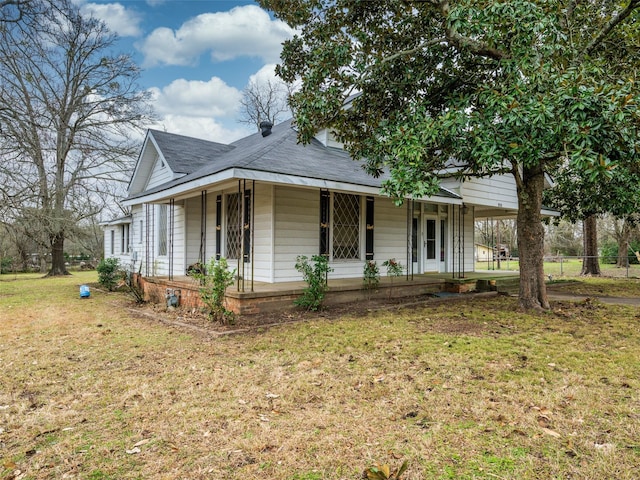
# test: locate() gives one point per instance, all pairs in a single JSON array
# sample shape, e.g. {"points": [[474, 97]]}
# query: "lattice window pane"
{"points": [[346, 226], [162, 230], [234, 226]]}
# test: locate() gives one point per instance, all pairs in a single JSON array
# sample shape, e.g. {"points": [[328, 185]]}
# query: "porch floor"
{"points": [[263, 296]]}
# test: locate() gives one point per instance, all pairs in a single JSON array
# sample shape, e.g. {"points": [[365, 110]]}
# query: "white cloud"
{"points": [[243, 31], [199, 109], [206, 128], [265, 74], [213, 98], [125, 23]]}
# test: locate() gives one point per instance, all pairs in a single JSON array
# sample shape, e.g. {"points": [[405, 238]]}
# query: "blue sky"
{"points": [[197, 56]]}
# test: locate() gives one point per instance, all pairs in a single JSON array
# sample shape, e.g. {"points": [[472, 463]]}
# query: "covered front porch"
{"points": [[246, 298]]}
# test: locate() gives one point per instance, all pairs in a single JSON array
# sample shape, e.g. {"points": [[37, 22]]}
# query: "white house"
{"points": [[265, 199]]}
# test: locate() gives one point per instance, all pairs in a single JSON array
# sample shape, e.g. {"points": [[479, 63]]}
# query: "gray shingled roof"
{"points": [[187, 154], [278, 153]]}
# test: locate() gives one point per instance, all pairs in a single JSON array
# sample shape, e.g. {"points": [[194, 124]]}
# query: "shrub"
{"points": [[394, 268], [109, 273], [6, 264], [609, 252], [214, 281], [316, 277], [371, 276], [132, 284]]}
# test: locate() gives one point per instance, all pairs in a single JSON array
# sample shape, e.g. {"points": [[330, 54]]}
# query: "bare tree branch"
{"points": [[618, 18], [264, 101], [68, 109]]}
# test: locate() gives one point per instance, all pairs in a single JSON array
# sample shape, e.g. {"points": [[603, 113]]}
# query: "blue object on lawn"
{"points": [[84, 291]]}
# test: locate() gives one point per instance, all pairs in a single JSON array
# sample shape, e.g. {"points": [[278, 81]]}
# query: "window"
{"points": [[162, 230], [431, 239], [112, 244], [238, 225], [124, 238], [346, 226]]}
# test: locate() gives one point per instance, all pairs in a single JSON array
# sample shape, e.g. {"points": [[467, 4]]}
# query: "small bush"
{"points": [[132, 284], [109, 273], [316, 277], [371, 275], [214, 280], [6, 264], [394, 268]]}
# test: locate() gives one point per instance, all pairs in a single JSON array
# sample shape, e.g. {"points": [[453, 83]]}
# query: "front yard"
{"points": [[464, 389]]}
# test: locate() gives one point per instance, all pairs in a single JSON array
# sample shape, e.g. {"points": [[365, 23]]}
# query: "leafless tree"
{"points": [[68, 109], [264, 100], [13, 10]]}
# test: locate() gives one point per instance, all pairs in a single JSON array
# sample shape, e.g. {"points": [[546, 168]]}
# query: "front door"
{"points": [[431, 247]]}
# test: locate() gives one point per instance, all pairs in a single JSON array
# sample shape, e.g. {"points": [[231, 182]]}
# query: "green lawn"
{"points": [[565, 268], [469, 389]]}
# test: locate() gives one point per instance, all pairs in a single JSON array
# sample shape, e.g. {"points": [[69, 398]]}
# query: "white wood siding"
{"points": [[498, 191], [389, 233], [160, 174], [137, 237], [262, 235], [179, 239], [297, 214], [193, 209]]}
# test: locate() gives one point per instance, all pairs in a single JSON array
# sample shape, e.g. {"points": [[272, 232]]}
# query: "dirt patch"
{"points": [[196, 320]]}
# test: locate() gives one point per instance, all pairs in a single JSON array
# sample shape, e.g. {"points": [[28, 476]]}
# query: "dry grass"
{"points": [[461, 390], [601, 286]]}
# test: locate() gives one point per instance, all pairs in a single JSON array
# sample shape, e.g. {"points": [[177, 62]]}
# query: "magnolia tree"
{"points": [[494, 87]]}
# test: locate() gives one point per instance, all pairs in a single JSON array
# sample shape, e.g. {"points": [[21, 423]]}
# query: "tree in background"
{"points": [[68, 109], [516, 88], [581, 197], [13, 10], [264, 101], [497, 231], [564, 238], [620, 239]]}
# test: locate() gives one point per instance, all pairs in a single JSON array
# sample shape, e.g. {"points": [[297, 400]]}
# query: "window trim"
{"points": [[327, 228]]}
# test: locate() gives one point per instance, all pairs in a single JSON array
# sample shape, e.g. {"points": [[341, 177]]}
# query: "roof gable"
{"points": [[167, 156]]}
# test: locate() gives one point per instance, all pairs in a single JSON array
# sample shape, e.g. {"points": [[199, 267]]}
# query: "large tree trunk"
{"points": [[623, 237], [533, 290], [57, 256], [590, 263]]}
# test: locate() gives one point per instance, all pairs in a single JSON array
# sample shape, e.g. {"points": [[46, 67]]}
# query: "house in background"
{"points": [[263, 200], [484, 253]]}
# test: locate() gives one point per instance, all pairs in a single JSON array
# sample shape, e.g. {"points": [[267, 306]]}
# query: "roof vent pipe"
{"points": [[266, 128]]}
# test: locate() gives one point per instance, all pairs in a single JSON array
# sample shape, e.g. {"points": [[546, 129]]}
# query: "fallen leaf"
{"points": [[605, 447], [272, 395], [550, 432], [142, 442], [133, 451], [544, 421]]}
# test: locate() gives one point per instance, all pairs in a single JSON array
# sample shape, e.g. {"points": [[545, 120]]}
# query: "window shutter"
{"points": [[246, 225], [325, 205], [218, 226], [369, 229]]}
